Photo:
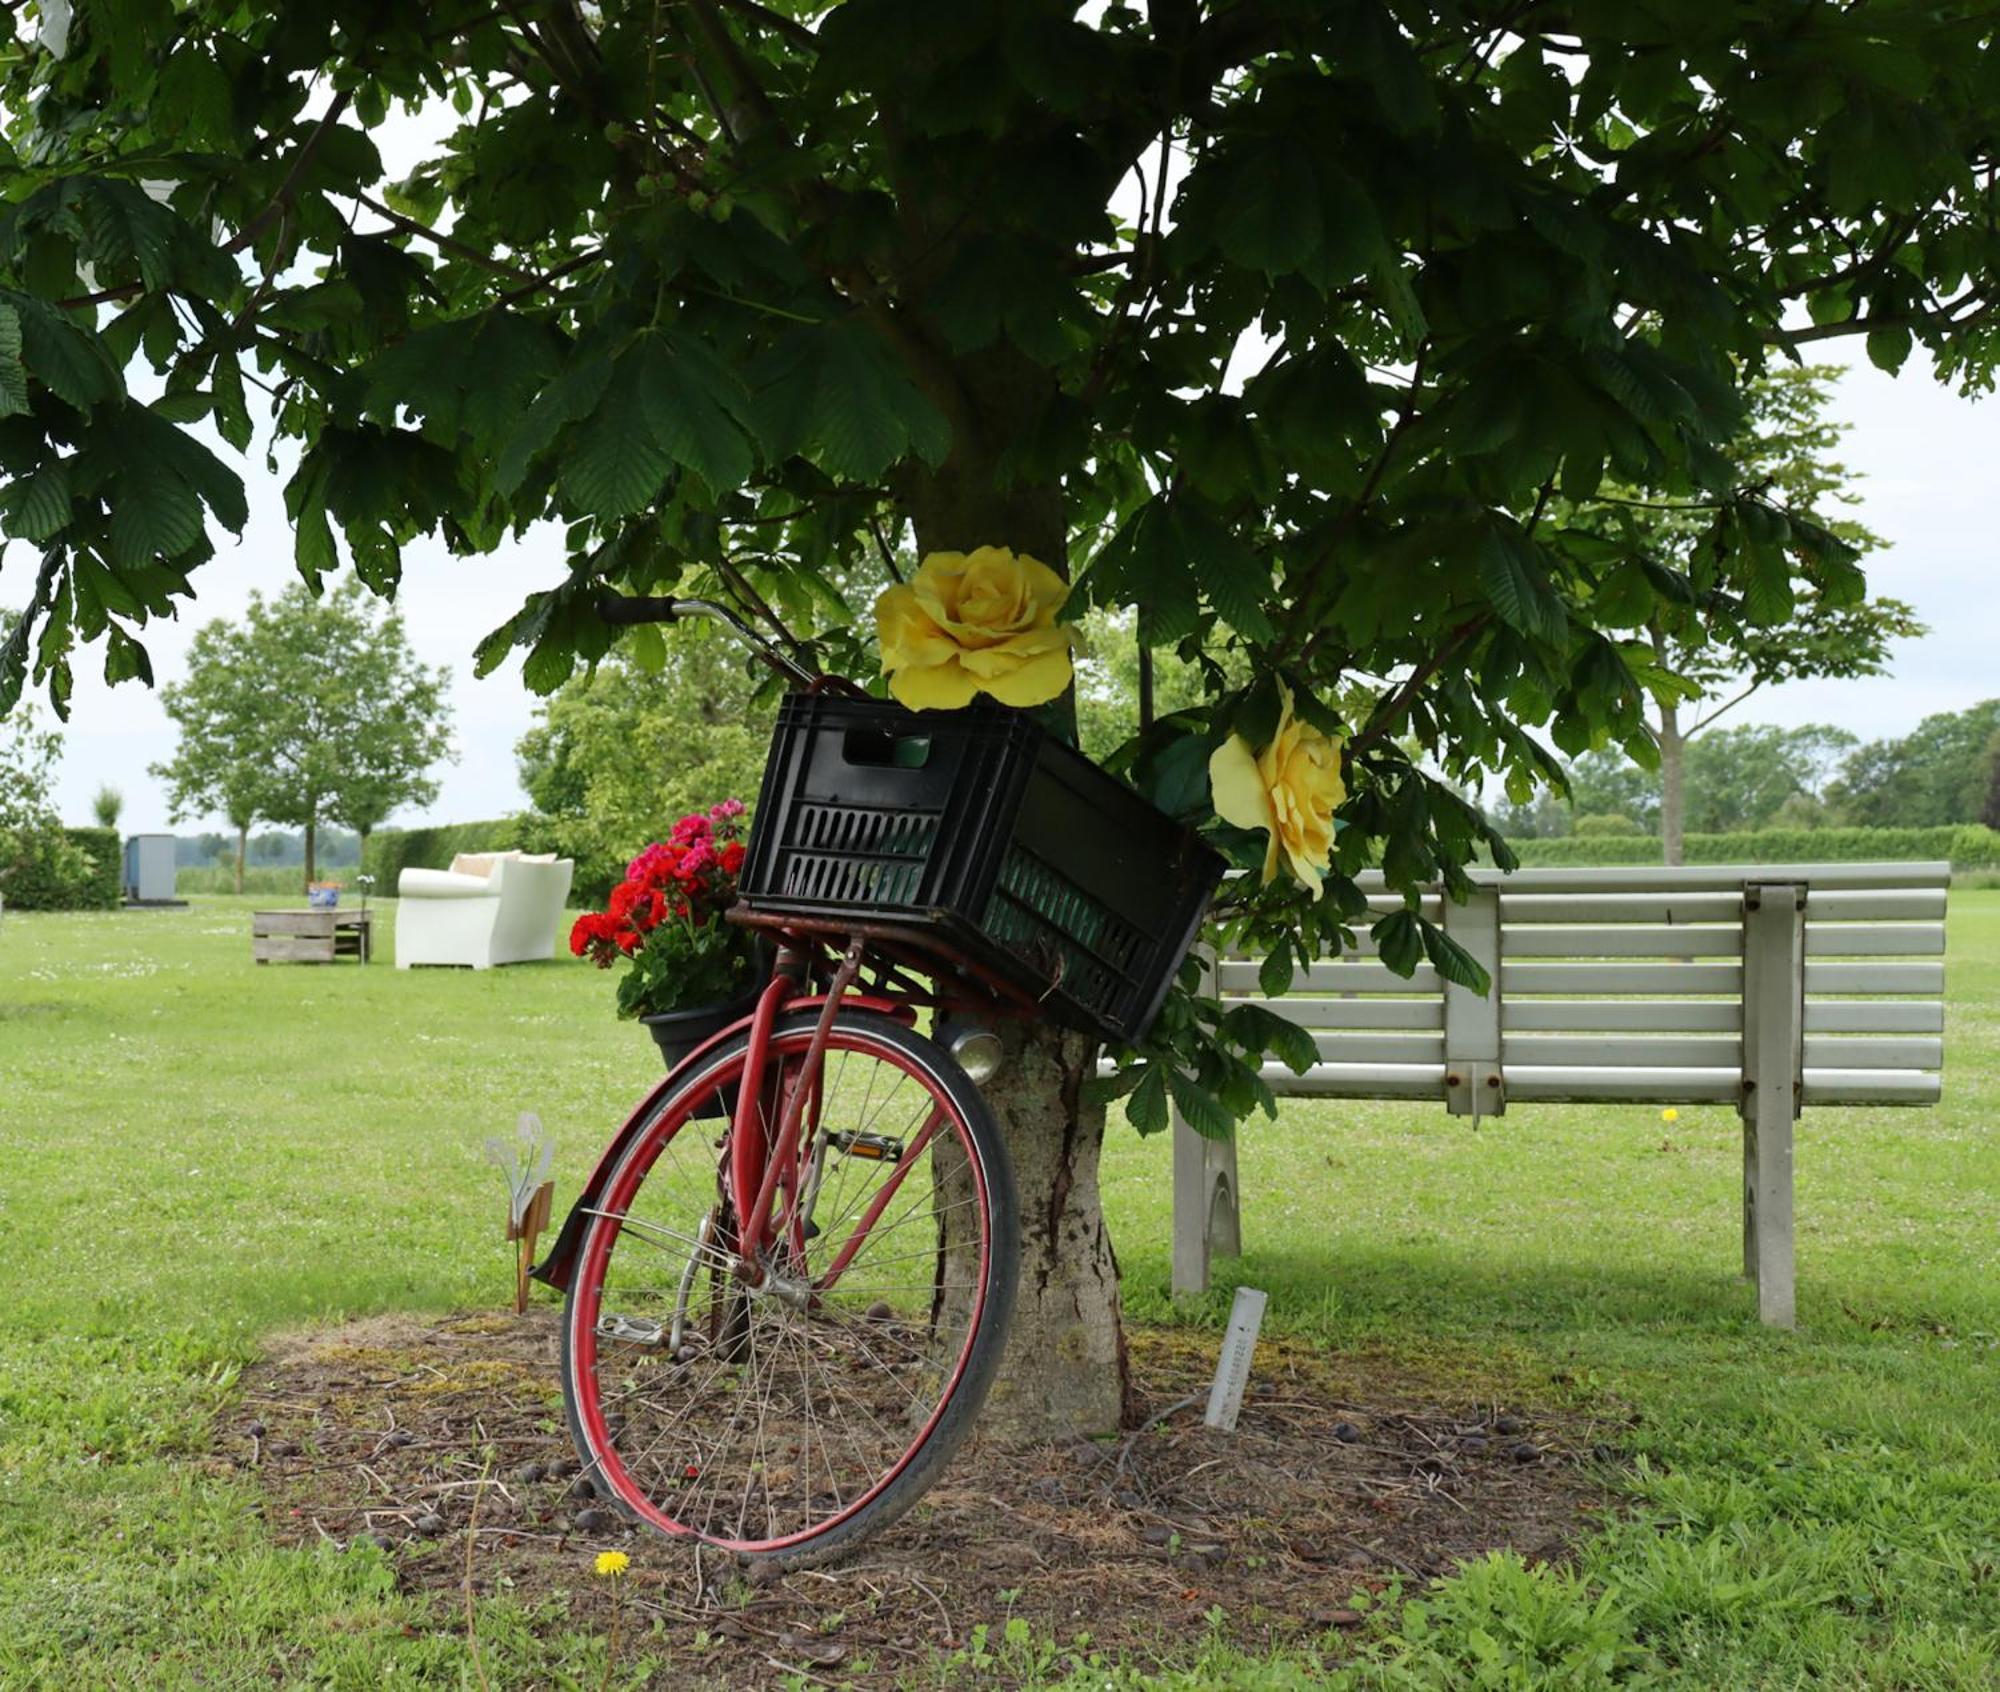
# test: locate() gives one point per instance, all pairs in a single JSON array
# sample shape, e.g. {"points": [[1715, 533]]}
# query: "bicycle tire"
{"points": [[967, 1123]]}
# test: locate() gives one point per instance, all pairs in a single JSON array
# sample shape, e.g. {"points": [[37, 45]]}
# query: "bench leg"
{"points": [[1773, 1047], [1767, 1213], [1206, 1217]]}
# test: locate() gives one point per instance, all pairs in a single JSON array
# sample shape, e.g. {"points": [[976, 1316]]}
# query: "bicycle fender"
{"points": [[557, 1269]]}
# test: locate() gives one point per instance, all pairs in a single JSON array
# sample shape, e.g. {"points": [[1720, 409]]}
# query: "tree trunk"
{"points": [[1673, 791], [242, 852], [1064, 1372], [312, 850]]}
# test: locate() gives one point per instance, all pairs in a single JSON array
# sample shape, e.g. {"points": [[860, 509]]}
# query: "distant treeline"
{"points": [[1944, 773], [273, 848]]}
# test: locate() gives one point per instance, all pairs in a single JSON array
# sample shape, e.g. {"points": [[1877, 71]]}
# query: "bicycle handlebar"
{"points": [[628, 610]]}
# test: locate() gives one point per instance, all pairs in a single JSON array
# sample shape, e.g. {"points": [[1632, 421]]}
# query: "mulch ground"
{"points": [[438, 1438]]}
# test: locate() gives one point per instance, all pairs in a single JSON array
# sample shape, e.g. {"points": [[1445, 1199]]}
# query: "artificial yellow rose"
{"points": [[1291, 789], [975, 622]]}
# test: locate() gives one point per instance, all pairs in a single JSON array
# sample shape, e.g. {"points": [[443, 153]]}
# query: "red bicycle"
{"points": [[777, 1334]]}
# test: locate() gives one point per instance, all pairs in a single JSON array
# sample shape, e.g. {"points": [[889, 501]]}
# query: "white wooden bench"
{"points": [[1765, 986]]}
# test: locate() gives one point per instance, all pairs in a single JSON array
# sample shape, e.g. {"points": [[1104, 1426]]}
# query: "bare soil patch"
{"points": [[1345, 1473]]}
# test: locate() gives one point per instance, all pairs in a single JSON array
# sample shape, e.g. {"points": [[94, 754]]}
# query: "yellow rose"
{"points": [[975, 622], [1291, 789]]}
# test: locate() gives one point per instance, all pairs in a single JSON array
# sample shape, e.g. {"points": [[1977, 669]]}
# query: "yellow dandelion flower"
{"points": [[1670, 1114], [613, 1563]]}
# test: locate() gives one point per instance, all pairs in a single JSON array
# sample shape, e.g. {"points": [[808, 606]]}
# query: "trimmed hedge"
{"points": [[393, 850], [62, 869], [105, 887], [1968, 846]]}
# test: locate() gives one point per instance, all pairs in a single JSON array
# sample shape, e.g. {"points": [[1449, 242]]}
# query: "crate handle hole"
{"points": [[879, 750]]}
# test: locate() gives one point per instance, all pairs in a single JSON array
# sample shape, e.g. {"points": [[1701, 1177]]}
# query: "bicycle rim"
{"points": [[777, 1419]]}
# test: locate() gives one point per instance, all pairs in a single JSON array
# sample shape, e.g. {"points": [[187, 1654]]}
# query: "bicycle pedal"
{"points": [[631, 1330], [875, 1148]]}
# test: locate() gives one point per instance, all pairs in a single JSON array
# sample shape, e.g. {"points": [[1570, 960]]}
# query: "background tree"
{"points": [[1742, 778], [616, 755], [1286, 325], [1783, 453], [105, 806], [312, 706], [35, 854], [1940, 772]]}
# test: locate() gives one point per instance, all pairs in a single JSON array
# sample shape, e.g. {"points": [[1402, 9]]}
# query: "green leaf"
{"points": [[1888, 348], [1259, 1030], [67, 360], [1146, 1109], [571, 395], [648, 648], [615, 465], [692, 403], [835, 393], [1274, 974], [1452, 960], [125, 659], [13, 373], [1399, 941], [38, 506], [1511, 572], [1199, 1108]]}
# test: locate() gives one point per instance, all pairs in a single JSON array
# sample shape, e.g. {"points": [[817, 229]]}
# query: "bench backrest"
{"points": [[1639, 983]]}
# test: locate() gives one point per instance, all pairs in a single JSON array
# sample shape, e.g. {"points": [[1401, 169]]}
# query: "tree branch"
{"points": [[790, 28], [276, 206], [1726, 706], [444, 242], [1383, 719]]}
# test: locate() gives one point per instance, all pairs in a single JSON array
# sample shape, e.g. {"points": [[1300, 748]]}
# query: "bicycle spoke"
{"points": [[790, 1404]]}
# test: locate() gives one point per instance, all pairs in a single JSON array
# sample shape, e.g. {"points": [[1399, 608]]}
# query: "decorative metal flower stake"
{"points": [[529, 1193]]}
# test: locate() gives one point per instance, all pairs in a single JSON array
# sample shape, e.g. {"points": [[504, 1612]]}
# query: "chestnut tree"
{"points": [[1310, 328]]}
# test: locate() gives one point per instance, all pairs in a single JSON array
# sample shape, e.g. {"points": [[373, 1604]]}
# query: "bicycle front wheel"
{"points": [[787, 1420]]}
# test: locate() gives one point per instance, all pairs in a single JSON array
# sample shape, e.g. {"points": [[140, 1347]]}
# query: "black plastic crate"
{"points": [[981, 829]]}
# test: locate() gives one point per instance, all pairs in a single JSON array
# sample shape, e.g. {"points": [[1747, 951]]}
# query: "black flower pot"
{"points": [[677, 1033]]}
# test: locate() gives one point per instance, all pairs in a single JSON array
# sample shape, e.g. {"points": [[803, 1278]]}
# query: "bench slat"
{"points": [[1538, 1084], [1832, 1051], [1873, 1016], [1342, 1046], [1658, 907], [1336, 978], [1632, 980], [1874, 978], [1661, 906], [1621, 1051], [1873, 1087], [1610, 1016], [1910, 904], [1875, 940], [1633, 940], [1696, 878], [1357, 1013], [1358, 1081]]}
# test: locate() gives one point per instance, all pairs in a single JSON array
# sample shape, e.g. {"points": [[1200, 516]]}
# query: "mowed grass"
{"points": [[195, 1151]]}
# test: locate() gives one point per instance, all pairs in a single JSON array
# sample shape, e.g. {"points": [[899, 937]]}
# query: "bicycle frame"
{"points": [[786, 993]]}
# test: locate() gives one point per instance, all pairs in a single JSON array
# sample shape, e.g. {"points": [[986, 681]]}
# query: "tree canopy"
{"points": [[615, 757], [1940, 772], [309, 708], [1314, 330]]}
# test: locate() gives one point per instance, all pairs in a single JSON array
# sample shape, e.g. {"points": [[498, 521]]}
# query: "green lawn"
{"points": [[197, 1151]]}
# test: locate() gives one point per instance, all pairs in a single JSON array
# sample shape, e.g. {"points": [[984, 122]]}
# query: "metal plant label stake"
{"points": [[1232, 1368], [529, 1194]]}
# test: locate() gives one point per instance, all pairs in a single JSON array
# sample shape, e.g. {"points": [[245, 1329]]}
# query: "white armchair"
{"points": [[496, 908]]}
